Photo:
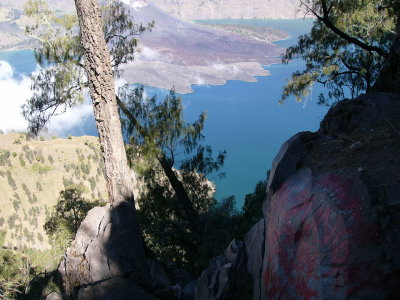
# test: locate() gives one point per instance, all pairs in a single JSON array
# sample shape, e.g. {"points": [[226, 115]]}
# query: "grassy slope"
{"points": [[44, 168]]}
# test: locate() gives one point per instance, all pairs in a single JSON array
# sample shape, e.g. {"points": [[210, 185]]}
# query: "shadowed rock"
{"points": [[107, 258]]}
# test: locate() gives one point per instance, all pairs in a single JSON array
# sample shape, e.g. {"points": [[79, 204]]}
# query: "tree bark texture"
{"points": [[389, 77], [102, 90]]}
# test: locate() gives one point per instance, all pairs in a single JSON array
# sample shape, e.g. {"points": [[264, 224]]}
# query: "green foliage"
{"points": [[69, 212], [162, 142], [14, 274], [17, 141], [345, 49], [25, 275], [169, 235], [14, 154], [85, 168], [11, 220], [39, 186], [2, 233], [162, 131], [26, 190], [4, 157], [10, 180], [60, 86], [165, 229], [92, 181], [38, 168]]}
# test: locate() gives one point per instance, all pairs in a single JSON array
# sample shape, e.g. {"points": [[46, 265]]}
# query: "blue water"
{"points": [[246, 120], [22, 61], [243, 118]]}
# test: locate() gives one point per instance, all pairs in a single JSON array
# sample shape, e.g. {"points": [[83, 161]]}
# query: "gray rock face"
{"points": [[226, 276], [116, 288], [288, 160], [255, 253], [53, 296], [107, 255]]}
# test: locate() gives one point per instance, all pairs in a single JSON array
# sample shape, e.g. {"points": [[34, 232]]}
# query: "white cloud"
{"points": [[13, 94], [147, 53], [6, 70], [219, 67], [135, 4], [73, 119]]}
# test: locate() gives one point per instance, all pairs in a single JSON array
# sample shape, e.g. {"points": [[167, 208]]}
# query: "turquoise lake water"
{"points": [[244, 118]]}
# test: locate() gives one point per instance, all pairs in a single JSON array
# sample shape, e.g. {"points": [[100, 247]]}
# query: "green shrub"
{"points": [[70, 211], [92, 181], [40, 169], [4, 155], [26, 190], [40, 237], [11, 181], [11, 220]]}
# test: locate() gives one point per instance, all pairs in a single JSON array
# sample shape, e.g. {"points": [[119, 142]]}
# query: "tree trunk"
{"points": [[184, 201], [389, 77], [102, 91], [183, 198]]}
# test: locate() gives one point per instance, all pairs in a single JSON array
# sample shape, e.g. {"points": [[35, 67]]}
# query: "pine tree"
{"points": [[348, 44]]}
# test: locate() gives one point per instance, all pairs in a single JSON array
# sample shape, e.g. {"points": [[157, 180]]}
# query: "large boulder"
{"points": [[331, 226], [107, 260], [226, 276], [255, 251]]}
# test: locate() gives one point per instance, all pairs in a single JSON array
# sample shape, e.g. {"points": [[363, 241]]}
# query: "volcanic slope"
{"points": [[178, 53]]}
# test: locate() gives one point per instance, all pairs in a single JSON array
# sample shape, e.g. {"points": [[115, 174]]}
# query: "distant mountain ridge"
{"points": [[231, 9]]}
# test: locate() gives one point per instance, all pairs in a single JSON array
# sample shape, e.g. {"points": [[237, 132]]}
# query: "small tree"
{"points": [[174, 168], [346, 48], [70, 211], [61, 82]]}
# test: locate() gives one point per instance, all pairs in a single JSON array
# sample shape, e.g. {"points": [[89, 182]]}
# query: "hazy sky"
{"points": [[14, 91]]}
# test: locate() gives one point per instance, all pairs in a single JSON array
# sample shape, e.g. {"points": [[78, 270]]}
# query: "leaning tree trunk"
{"points": [[389, 77], [102, 90]]}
